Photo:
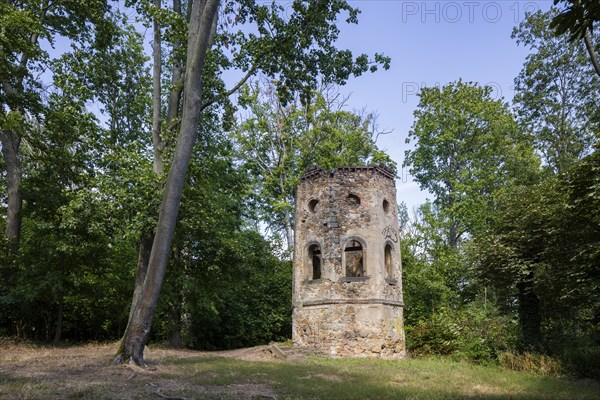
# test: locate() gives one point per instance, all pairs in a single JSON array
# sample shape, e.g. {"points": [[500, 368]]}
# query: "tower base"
{"points": [[368, 328]]}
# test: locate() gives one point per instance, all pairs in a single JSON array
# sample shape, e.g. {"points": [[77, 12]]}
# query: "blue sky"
{"points": [[431, 43]]}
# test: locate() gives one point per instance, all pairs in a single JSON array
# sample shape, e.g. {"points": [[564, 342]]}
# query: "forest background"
{"points": [[501, 263]]}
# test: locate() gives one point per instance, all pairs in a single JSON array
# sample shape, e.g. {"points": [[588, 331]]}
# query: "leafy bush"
{"points": [[477, 333], [485, 333], [438, 335], [582, 361]]}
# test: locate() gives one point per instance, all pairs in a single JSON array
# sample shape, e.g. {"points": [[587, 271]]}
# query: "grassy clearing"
{"points": [[83, 372]]}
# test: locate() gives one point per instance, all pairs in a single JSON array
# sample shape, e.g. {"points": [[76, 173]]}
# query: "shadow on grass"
{"points": [[375, 379], [215, 377], [33, 388]]}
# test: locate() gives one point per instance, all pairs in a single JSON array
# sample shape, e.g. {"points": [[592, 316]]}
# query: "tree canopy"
{"points": [[467, 146]]}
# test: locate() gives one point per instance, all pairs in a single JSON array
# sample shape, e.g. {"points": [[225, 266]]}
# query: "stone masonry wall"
{"points": [[345, 219]]}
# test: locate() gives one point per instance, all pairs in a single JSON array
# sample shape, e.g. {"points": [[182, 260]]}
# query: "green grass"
{"points": [[84, 372], [319, 378]]}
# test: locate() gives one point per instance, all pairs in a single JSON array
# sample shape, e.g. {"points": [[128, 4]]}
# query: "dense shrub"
{"points": [[477, 333], [438, 335], [582, 361]]}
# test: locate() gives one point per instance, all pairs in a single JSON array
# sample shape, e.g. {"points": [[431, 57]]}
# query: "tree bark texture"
{"points": [[136, 334], [289, 233], [141, 269], [11, 142]]}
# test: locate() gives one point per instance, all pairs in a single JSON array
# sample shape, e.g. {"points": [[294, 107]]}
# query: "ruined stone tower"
{"points": [[347, 290]]}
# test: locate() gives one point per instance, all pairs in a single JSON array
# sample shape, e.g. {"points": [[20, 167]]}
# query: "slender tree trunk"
{"points": [[136, 334], [141, 269], [175, 324], [176, 78], [453, 235], [11, 141], [590, 48], [145, 247], [288, 221], [59, 318], [159, 145], [157, 141], [289, 232]]}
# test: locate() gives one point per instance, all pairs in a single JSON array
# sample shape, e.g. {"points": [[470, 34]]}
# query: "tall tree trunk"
{"points": [[453, 234], [141, 269], [11, 141], [159, 145], [59, 318], [289, 233], [157, 141], [176, 77], [145, 247], [590, 48], [288, 221], [175, 324], [136, 334]]}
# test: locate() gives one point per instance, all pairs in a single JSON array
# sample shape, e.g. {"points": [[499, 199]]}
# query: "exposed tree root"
{"points": [[124, 359]]}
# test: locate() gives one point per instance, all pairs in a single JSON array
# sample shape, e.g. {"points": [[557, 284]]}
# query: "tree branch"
{"points": [[231, 91], [34, 37]]}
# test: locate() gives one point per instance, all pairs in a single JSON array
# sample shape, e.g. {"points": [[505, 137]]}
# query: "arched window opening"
{"points": [[353, 200], [386, 206], [354, 262], [314, 261], [312, 205], [388, 261]]}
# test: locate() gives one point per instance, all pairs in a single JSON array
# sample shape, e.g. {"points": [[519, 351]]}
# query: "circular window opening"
{"points": [[353, 200], [312, 205], [386, 206]]}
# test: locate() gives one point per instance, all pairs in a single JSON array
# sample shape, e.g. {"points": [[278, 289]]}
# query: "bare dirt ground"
{"points": [[39, 372]]}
